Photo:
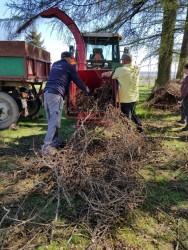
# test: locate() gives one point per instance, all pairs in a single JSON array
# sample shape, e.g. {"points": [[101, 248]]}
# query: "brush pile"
{"points": [[93, 181], [98, 102], [97, 174], [166, 97]]}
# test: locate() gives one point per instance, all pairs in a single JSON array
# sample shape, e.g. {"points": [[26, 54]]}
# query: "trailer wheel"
{"points": [[33, 106], [9, 110]]}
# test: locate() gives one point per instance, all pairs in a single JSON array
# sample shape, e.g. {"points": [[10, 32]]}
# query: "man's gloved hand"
{"points": [[106, 74], [88, 91]]}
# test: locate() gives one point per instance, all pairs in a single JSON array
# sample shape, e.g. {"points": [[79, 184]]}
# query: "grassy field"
{"points": [[160, 223]]}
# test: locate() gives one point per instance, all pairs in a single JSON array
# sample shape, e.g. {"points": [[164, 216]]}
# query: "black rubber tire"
{"points": [[9, 110], [33, 106]]}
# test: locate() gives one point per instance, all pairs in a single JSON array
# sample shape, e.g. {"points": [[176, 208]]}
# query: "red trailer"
{"points": [[23, 70]]}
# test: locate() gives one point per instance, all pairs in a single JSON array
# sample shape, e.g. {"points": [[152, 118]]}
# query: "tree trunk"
{"points": [[167, 42], [184, 50]]}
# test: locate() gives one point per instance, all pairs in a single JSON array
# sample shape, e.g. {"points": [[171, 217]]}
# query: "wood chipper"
{"points": [[102, 54], [23, 69], [95, 53]]}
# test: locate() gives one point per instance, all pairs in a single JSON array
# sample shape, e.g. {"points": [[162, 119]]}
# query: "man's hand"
{"points": [[106, 74], [88, 91]]}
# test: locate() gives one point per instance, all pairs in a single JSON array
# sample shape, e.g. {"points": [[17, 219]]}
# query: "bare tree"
{"points": [[167, 42], [184, 50]]}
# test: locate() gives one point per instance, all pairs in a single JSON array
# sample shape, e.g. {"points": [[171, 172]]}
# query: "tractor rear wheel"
{"points": [[9, 110]]}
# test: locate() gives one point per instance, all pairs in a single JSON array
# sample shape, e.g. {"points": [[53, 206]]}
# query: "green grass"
{"points": [[31, 134]]}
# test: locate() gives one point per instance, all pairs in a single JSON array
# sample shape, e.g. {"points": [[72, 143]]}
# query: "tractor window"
{"points": [[106, 51], [102, 50]]}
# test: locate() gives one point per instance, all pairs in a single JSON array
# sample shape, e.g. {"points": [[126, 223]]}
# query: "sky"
{"points": [[52, 42], [55, 46]]}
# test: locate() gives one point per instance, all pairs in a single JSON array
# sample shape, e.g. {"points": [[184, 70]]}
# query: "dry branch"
{"points": [[98, 104]]}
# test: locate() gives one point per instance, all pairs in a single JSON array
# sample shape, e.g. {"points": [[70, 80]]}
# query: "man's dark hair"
{"points": [[65, 54]]}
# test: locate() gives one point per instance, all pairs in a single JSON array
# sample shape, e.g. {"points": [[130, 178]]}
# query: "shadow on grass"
{"points": [[156, 114], [165, 195], [21, 145]]}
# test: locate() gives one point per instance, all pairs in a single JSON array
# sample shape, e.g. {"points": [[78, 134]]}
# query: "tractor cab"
{"points": [[102, 50]]}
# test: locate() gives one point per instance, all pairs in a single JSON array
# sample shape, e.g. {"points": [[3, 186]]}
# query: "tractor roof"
{"points": [[101, 38]]}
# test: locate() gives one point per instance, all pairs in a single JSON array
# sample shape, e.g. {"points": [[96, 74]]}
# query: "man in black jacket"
{"points": [[61, 75]]}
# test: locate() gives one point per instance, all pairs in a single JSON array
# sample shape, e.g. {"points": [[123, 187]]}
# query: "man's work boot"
{"points": [[140, 129], [48, 150], [185, 128], [180, 121], [61, 145]]}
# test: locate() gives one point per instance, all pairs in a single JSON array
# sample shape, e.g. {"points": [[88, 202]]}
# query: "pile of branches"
{"points": [[166, 97], [98, 101], [93, 181], [104, 171]]}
